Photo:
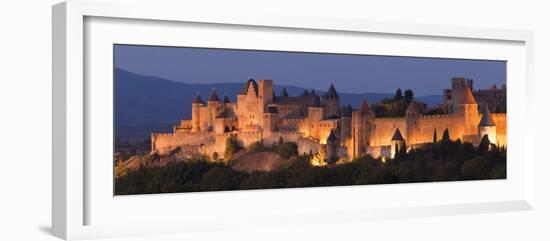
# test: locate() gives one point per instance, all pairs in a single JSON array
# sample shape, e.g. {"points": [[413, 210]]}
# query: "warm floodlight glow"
{"points": [[316, 162]]}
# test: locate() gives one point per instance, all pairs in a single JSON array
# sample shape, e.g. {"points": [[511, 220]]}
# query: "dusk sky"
{"points": [[349, 73]]}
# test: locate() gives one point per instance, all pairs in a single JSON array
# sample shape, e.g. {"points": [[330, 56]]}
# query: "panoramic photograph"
{"points": [[190, 119]]}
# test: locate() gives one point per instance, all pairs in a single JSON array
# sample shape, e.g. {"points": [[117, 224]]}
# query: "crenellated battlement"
{"points": [[389, 118], [439, 116]]}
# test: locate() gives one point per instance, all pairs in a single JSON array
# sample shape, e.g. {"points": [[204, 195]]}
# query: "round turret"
{"points": [[397, 142], [195, 113], [487, 126], [332, 148], [331, 101]]}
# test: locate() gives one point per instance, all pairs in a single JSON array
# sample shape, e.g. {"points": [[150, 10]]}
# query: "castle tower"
{"points": [[452, 97], [245, 103], [195, 113], [345, 129], [412, 115], [315, 114], [467, 109], [332, 148], [487, 126], [331, 101], [361, 128], [270, 119], [265, 91], [214, 108], [461, 83], [249, 88], [397, 142]]}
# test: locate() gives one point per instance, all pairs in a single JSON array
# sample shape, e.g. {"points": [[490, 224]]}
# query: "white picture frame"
{"points": [[71, 190]]}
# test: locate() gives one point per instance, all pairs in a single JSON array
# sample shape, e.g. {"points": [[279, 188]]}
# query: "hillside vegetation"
{"points": [[441, 161]]}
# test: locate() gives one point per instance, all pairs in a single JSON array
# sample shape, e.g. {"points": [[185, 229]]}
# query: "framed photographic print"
{"points": [[181, 115]]}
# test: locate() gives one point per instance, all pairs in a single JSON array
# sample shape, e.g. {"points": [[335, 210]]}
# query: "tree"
{"points": [[446, 137], [474, 169], [398, 95], [409, 95], [467, 150], [396, 155], [281, 140], [443, 147], [231, 147], [403, 152], [484, 145], [287, 149], [257, 146], [435, 136]]}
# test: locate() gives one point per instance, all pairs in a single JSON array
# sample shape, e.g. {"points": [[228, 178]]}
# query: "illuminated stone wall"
{"points": [[383, 130], [500, 122], [247, 120]]}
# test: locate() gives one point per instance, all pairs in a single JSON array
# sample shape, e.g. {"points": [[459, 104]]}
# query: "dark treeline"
{"points": [[444, 160]]}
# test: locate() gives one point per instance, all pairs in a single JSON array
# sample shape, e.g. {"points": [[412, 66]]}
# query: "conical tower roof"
{"points": [[226, 99], [331, 92], [486, 119], [467, 97], [214, 96], [198, 99], [224, 114], [332, 137], [397, 136]]}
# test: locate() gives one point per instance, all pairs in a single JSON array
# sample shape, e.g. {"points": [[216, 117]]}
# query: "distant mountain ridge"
{"points": [[146, 103]]}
